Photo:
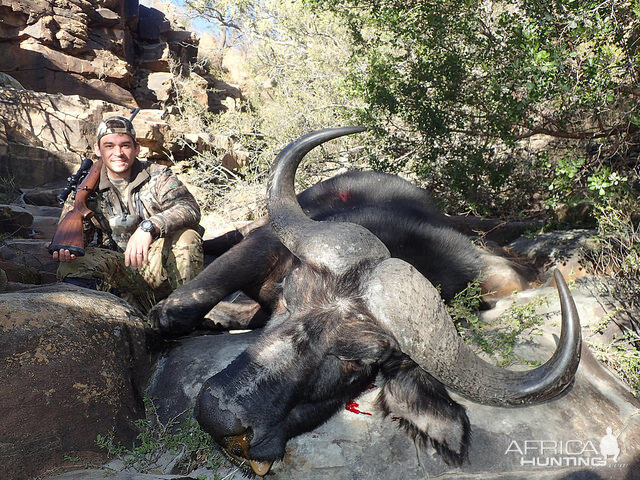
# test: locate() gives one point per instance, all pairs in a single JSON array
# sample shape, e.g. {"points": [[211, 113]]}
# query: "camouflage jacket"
{"points": [[154, 193]]}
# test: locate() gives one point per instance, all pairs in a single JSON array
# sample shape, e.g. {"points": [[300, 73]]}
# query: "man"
{"points": [[144, 235]]}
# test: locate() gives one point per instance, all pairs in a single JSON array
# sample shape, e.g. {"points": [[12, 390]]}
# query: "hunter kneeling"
{"points": [[141, 224]]}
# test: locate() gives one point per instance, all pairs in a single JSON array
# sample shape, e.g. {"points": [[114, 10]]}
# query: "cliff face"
{"points": [[65, 64], [99, 49]]}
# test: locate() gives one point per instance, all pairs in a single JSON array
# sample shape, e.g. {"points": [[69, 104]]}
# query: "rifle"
{"points": [[69, 235], [74, 180]]}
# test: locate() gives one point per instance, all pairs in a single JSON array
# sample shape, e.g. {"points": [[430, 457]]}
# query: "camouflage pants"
{"points": [[173, 261]]}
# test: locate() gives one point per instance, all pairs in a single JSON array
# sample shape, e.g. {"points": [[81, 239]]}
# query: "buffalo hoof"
{"points": [[168, 320]]}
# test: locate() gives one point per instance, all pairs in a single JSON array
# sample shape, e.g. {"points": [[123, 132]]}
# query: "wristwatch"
{"points": [[148, 226]]}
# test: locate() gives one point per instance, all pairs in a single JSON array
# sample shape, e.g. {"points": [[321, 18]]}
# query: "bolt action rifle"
{"points": [[69, 235], [74, 180]]}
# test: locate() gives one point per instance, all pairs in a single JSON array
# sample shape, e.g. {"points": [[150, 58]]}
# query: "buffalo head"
{"points": [[348, 312]]}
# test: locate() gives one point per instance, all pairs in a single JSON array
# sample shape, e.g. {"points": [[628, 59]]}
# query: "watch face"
{"points": [[147, 226]]}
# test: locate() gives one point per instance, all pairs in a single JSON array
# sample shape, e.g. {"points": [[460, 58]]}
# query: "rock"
{"points": [[3, 280], [16, 14], [224, 97], [44, 227], [560, 249], [19, 272], [42, 210], [152, 24], [31, 165], [104, 17], [7, 81], [111, 39], [42, 30], [68, 373], [30, 53], [152, 131], [234, 64], [43, 196], [160, 86], [197, 88], [15, 220], [33, 253], [93, 88], [155, 57], [61, 123], [184, 53], [182, 36]]}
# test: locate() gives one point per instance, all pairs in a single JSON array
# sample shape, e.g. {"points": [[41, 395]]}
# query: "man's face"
{"points": [[118, 152]]}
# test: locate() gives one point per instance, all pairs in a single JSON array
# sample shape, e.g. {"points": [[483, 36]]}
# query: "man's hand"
{"points": [[136, 254], [63, 256]]}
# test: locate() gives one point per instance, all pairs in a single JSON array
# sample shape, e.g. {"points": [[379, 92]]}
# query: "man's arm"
{"points": [[179, 209]]}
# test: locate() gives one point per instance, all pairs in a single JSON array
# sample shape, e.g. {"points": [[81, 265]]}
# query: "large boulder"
{"points": [[72, 364], [46, 136], [14, 220], [33, 253], [58, 123]]}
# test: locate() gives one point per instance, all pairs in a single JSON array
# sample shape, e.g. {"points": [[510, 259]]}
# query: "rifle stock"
{"points": [[69, 235]]}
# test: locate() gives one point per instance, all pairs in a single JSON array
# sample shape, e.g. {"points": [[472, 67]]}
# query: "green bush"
{"points": [[186, 440], [457, 92], [497, 338]]}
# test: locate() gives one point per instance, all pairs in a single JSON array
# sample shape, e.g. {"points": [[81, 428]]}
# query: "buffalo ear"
{"points": [[361, 350], [363, 344], [424, 409]]}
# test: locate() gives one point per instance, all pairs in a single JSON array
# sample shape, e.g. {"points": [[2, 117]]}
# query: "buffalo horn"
{"points": [[410, 307], [333, 245]]}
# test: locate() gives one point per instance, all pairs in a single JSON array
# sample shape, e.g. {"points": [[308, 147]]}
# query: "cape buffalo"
{"points": [[343, 311]]}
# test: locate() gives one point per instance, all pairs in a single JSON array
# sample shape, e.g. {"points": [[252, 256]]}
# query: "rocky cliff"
{"points": [[65, 64]]}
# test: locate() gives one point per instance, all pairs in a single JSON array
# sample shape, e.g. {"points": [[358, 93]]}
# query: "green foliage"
{"points": [[616, 250], [187, 441], [497, 338], [454, 90], [623, 356], [72, 458]]}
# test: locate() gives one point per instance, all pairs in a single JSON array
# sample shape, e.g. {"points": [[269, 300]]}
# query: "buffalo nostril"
{"points": [[215, 420]]}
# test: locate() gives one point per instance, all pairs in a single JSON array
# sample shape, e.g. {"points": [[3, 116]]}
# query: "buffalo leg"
{"points": [[248, 266]]}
